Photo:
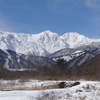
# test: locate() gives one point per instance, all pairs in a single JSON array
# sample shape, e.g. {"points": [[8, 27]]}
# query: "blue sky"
{"points": [[60, 16]]}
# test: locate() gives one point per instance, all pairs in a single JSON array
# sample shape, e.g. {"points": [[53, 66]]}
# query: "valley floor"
{"points": [[47, 90]]}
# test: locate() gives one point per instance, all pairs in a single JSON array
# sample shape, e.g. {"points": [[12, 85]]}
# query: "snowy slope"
{"points": [[75, 39], [43, 43], [87, 90]]}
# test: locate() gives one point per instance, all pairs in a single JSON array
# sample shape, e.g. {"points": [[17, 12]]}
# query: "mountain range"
{"points": [[27, 51], [42, 44]]}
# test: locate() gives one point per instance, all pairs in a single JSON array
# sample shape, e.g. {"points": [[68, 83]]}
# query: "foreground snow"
{"points": [[87, 90]]}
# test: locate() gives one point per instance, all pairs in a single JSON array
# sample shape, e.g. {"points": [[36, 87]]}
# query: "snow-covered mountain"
{"points": [[75, 39], [77, 56], [43, 43], [24, 50]]}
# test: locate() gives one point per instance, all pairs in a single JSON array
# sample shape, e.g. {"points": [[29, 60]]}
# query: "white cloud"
{"points": [[92, 3]]}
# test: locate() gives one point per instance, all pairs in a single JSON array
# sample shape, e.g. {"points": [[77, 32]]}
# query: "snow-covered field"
{"points": [[87, 90]]}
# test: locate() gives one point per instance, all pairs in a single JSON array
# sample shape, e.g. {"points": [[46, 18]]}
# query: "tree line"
{"points": [[88, 71]]}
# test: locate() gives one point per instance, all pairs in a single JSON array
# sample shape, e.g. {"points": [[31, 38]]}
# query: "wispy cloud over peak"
{"points": [[92, 3]]}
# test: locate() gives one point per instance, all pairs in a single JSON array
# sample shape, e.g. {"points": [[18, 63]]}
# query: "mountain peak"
{"points": [[74, 39], [48, 33], [71, 36]]}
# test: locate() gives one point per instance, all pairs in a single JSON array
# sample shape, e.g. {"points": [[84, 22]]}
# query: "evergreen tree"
{"points": [[62, 65]]}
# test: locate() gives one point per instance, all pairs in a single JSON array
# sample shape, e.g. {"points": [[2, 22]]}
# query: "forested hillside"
{"points": [[90, 70]]}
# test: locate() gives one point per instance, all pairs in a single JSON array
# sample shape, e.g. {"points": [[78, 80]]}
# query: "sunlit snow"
{"points": [[87, 90]]}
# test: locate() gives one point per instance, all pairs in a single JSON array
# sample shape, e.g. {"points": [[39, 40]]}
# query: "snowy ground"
{"points": [[87, 90]]}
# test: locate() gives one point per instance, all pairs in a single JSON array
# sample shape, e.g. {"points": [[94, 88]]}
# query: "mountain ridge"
{"points": [[42, 44]]}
